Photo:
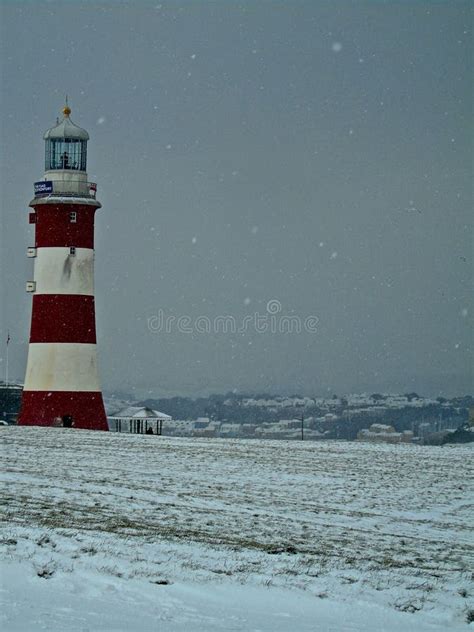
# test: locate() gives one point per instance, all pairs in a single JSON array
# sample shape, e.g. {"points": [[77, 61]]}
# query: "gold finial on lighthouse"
{"points": [[66, 109]]}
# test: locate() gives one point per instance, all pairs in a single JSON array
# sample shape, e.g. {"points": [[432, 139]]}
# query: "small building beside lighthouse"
{"points": [[138, 420], [62, 384]]}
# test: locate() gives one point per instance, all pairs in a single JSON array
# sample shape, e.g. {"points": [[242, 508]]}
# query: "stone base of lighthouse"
{"points": [[62, 386], [51, 408]]}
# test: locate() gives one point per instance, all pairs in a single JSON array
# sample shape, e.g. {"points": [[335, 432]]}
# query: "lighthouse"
{"points": [[62, 382]]}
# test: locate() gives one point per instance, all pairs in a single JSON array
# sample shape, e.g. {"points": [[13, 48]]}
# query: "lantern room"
{"points": [[66, 146]]}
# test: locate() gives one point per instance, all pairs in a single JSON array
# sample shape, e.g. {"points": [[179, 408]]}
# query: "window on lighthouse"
{"points": [[73, 217], [66, 153]]}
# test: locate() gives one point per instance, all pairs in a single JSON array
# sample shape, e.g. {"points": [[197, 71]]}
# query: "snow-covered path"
{"points": [[122, 532]]}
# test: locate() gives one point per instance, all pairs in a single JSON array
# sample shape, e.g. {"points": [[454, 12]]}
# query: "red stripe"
{"points": [[54, 227], [63, 318], [43, 408]]}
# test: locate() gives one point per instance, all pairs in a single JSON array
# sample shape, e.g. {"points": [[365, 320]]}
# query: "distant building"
{"points": [[138, 420], [179, 428], [425, 428], [382, 433], [229, 430], [201, 422], [10, 401], [288, 424], [203, 427]]}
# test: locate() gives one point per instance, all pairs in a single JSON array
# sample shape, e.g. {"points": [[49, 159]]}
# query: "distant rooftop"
{"points": [[139, 412], [12, 385]]}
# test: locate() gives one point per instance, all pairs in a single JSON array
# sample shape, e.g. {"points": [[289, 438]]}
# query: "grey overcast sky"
{"points": [[318, 154]]}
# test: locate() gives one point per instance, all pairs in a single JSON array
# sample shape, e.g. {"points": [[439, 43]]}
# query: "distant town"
{"points": [[376, 417]]}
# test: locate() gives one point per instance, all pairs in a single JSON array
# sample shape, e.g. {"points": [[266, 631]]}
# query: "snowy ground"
{"points": [[105, 531]]}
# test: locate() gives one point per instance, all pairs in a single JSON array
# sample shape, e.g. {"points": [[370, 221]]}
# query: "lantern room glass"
{"points": [[66, 153]]}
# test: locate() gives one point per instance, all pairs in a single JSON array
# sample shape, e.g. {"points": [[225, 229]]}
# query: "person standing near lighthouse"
{"points": [[62, 380]]}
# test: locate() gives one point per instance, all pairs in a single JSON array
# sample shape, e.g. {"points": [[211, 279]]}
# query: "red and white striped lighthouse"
{"points": [[62, 382]]}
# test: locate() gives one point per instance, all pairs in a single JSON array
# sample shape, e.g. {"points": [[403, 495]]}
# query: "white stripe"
{"points": [[62, 366], [59, 272]]}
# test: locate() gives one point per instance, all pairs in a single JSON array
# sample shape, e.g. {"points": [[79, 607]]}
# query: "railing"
{"points": [[68, 188]]}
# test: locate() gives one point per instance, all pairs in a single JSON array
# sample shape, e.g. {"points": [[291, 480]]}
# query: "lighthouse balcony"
{"points": [[65, 188]]}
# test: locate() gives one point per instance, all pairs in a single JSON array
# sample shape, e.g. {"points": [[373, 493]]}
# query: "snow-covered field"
{"points": [[102, 531]]}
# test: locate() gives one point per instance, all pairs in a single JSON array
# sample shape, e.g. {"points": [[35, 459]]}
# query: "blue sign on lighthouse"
{"points": [[44, 186]]}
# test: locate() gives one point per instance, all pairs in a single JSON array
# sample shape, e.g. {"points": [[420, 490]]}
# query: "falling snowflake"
{"points": [[194, 240], [101, 120], [336, 47]]}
